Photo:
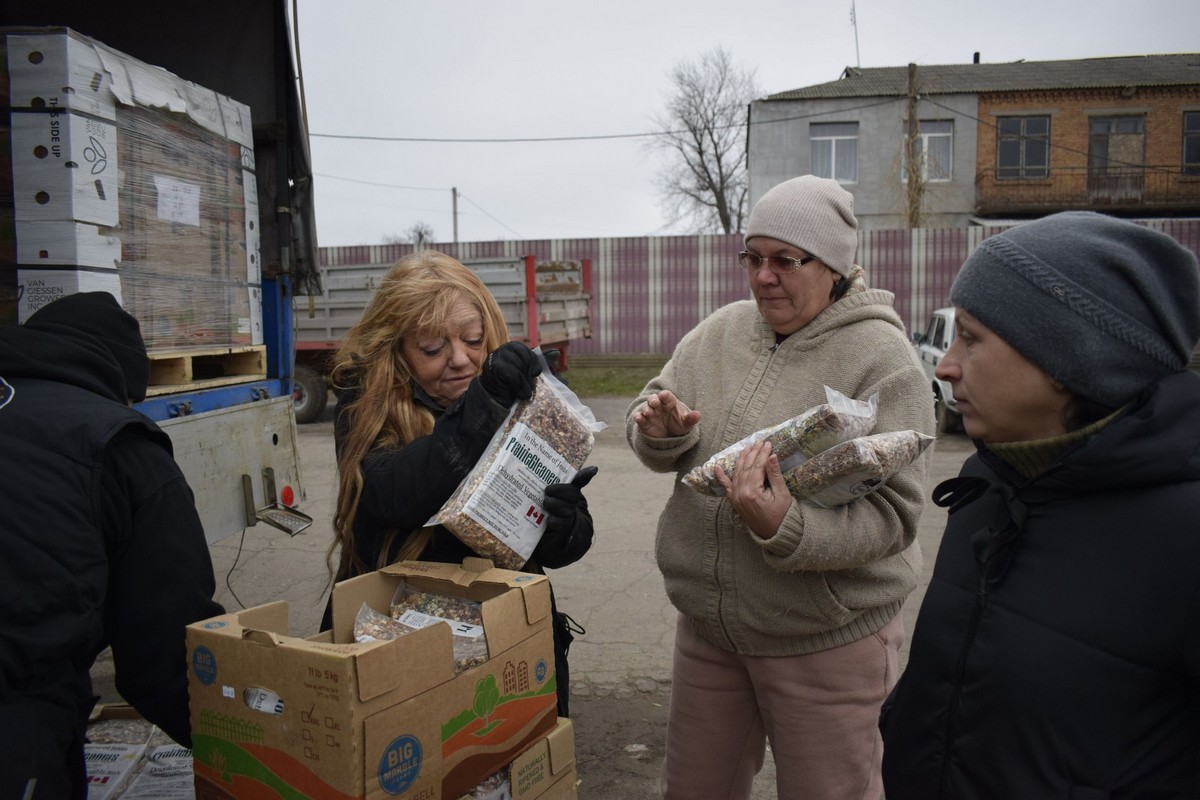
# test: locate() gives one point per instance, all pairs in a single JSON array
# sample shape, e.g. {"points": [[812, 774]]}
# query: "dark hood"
{"points": [[65, 356]]}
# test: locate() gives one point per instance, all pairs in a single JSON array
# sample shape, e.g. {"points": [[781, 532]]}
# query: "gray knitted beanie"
{"points": [[1104, 306], [814, 214]]}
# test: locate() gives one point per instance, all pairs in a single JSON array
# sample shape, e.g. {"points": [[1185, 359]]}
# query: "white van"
{"points": [[931, 346]]}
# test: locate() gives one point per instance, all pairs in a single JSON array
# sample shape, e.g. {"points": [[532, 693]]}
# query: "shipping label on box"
{"points": [[64, 168], [324, 717], [37, 287]]}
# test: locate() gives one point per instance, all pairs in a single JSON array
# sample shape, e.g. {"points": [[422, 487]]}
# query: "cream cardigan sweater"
{"points": [[829, 576]]}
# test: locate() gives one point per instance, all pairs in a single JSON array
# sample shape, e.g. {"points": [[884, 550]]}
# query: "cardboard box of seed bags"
{"points": [[544, 771], [330, 717]]}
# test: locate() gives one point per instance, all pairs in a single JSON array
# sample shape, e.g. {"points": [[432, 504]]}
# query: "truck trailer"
{"points": [[159, 151]]}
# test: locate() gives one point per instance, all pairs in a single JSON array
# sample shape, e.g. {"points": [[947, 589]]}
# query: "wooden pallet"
{"points": [[180, 371]]}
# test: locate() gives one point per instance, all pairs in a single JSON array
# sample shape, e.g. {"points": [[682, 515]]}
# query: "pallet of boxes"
{"points": [[435, 680], [122, 177]]}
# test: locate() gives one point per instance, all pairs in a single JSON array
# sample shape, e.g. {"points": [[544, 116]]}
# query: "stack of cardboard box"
{"points": [[125, 178], [329, 717]]}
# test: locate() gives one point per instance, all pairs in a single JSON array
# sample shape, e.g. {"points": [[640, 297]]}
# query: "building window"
{"points": [[1023, 147], [935, 146], [834, 150], [1116, 159], [1191, 143], [1116, 144]]}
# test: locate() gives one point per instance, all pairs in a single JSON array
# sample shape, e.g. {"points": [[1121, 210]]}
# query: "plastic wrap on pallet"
{"points": [[127, 179]]}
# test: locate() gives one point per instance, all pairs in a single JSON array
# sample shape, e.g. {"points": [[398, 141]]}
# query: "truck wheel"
{"points": [[309, 393], [947, 420]]}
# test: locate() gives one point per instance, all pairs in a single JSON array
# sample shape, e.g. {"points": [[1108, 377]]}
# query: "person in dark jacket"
{"points": [[100, 542], [427, 376], [1057, 650]]}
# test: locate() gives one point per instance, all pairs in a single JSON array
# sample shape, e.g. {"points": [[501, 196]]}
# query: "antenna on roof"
{"points": [[854, 22]]}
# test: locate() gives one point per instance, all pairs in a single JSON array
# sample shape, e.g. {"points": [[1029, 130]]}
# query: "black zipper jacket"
{"points": [[100, 544], [1057, 650]]}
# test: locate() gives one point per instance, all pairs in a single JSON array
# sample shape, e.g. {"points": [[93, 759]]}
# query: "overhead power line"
{"points": [[385, 185], [596, 137], [482, 141]]}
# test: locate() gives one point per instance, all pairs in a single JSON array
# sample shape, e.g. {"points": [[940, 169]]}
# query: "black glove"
{"points": [[509, 372], [568, 533], [552, 357]]}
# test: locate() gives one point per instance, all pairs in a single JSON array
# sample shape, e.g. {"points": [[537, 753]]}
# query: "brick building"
{"points": [[992, 141]]}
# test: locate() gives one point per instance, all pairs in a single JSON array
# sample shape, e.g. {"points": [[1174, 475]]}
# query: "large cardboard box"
{"points": [[123, 177], [374, 720], [545, 770]]}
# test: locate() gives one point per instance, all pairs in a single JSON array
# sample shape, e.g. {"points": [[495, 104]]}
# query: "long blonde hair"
{"points": [[412, 301]]}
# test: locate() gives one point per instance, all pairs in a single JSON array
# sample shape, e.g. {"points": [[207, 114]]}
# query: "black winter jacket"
{"points": [[100, 545], [1057, 650], [403, 487]]}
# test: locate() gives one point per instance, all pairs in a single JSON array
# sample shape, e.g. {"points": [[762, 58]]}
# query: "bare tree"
{"points": [[703, 132], [419, 233]]}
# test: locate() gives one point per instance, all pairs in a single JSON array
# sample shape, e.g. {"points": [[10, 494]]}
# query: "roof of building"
{"points": [[1179, 69]]}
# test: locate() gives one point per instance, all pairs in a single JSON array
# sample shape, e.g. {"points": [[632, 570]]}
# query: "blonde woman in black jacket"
{"points": [[426, 377]]}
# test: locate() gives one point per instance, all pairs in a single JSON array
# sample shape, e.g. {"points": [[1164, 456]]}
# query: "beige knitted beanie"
{"points": [[813, 214]]}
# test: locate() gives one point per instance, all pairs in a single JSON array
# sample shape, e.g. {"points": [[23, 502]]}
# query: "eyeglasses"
{"points": [[780, 265]]}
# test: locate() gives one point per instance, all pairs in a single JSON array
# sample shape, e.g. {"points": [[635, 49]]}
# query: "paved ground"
{"points": [[620, 669]]}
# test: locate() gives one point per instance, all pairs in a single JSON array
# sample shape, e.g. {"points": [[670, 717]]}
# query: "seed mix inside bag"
{"points": [[853, 469], [795, 440], [497, 509]]}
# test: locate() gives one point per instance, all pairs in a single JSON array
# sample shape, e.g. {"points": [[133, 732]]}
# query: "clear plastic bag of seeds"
{"points": [[416, 609], [494, 787], [497, 509], [373, 626], [854, 469], [794, 441]]}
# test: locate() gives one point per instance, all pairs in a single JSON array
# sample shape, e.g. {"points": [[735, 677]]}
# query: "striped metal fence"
{"points": [[647, 292]]}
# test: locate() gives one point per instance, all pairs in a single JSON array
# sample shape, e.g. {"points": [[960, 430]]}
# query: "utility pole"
{"points": [[914, 168], [454, 207]]}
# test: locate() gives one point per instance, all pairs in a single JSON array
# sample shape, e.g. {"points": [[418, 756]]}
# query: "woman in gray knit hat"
{"points": [[789, 626], [1057, 650]]}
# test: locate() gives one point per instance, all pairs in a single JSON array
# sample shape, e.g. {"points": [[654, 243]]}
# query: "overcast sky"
{"points": [[522, 69]]}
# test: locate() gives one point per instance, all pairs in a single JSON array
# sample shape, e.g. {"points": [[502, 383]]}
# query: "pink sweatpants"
{"points": [[819, 711]]}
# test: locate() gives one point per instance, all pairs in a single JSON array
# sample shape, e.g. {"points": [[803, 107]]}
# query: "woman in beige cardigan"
{"points": [[789, 626]]}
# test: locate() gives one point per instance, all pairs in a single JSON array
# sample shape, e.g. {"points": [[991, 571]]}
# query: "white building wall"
{"points": [[779, 149]]}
